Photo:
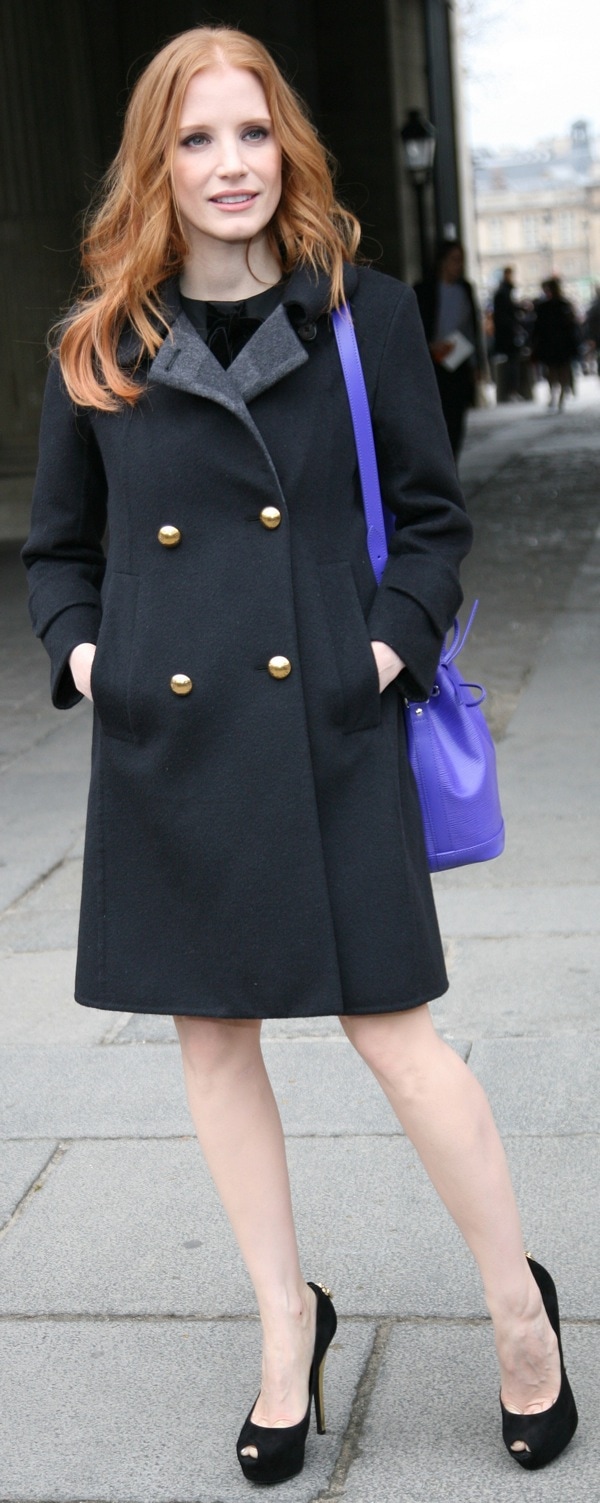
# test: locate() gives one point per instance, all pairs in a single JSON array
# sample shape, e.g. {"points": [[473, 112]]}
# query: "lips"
{"points": [[233, 198]]}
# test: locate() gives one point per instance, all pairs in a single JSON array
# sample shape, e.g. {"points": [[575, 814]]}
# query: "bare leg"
{"points": [[445, 1113], [239, 1130]]}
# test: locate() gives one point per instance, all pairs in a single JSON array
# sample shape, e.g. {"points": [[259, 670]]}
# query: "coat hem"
{"points": [[346, 1012]]}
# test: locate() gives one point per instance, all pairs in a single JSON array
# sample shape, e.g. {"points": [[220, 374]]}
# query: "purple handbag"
{"points": [[450, 748]]}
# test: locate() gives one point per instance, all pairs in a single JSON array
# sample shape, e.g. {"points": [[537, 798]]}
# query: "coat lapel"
{"points": [[272, 353], [275, 350], [185, 362]]}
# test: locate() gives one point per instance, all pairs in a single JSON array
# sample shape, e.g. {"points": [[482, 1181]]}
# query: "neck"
{"points": [[218, 272]]}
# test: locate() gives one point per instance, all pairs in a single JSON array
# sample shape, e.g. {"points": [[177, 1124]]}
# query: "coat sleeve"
{"points": [[63, 554], [419, 593]]}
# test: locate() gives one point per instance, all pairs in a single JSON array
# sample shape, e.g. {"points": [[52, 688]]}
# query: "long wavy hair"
{"points": [[135, 240]]}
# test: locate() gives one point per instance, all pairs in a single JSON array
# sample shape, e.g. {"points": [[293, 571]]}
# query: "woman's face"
{"points": [[227, 163], [453, 265]]}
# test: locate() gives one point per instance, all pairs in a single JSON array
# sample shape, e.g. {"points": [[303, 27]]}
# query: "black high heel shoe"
{"points": [[281, 1451], [545, 1434]]}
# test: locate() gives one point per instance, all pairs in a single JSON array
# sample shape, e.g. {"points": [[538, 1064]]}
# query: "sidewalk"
{"points": [[129, 1345]]}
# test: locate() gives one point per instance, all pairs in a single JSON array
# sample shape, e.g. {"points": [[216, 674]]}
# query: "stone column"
{"points": [[49, 138]]}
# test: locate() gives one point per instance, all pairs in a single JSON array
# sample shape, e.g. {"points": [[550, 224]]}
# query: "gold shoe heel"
{"points": [[320, 1400]]}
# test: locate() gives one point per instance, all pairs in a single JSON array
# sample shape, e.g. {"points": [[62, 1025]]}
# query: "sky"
{"points": [[532, 67]]}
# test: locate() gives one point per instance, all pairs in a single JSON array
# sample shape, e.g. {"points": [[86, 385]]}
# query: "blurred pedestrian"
{"points": [[508, 334], [592, 328], [556, 340], [448, 308]]}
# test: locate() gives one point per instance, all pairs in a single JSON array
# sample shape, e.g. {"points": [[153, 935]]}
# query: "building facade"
{"points": [[539, 212]]}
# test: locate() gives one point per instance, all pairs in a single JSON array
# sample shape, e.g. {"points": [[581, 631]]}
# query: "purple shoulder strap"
{"points": [[343, 329]]}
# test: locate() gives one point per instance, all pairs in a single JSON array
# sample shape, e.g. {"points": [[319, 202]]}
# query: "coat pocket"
{"points": [[111, 668], [357, 669]]}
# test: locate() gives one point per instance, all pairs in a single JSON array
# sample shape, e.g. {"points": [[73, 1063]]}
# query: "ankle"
{"points": [[291, 1304], [516, 1302]]}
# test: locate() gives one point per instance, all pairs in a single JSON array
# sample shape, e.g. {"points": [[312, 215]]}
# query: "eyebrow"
{"points": [[243, 125]]}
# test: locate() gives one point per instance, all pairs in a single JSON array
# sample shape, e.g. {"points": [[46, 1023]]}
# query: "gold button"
{"points": [[181, 684], [270, 516], [169, 536], [279, 667]]}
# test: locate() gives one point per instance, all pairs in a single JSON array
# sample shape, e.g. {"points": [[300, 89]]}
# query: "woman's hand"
{"points": [[80, 663], [440, 349], [389, 665]]}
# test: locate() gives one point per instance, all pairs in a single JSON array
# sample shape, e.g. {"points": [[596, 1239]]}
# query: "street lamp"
{"points": [[418, 138]]}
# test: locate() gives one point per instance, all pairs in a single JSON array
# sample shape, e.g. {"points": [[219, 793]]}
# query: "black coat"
{"points": [[428, 297], [508, 333], [253, 845], [556, 336]]}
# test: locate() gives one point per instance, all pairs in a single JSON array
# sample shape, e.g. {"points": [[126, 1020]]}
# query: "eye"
{"points": [[256, 133], [196, 139]]}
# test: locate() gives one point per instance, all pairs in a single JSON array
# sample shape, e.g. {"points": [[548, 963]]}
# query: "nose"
{"points": [[231, 161]]}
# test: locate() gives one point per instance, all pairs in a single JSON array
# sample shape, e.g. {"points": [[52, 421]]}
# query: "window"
{"points": [[496, 235], [530, 235], [566, 228]]}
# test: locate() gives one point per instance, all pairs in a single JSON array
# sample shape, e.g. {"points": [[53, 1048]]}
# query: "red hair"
{"points": [[135, 240]]}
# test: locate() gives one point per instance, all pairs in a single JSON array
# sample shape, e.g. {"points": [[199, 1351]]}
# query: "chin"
{"points": [[238, 232]]}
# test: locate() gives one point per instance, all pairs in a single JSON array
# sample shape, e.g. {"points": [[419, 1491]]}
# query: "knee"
{"points": [[400, 1050], [211, 1046]]}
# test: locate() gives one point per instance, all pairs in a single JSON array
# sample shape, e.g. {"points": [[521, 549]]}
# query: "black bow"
{"points": [[228, 330]]}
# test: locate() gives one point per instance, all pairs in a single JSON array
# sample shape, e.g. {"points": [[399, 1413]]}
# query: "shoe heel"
{"points": [[320, 1400]]}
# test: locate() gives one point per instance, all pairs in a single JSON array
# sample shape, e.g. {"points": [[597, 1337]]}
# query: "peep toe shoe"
{"points": [[281, 1450], [545, 1435]]}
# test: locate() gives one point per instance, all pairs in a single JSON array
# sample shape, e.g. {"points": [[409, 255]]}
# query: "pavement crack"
{"points": [[116, 1028], [351, 1444], [34, 886], [38, 1183], [198, 1318]]}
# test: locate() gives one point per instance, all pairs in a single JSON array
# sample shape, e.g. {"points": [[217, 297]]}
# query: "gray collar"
{"points": [[185, 362]]}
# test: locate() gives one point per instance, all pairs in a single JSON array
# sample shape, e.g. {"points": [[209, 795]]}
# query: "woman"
{"points": [[254, 846], [447, 306], [556, 341]]}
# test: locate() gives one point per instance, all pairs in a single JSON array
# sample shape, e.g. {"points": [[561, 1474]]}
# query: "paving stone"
{"points": [[34, 847], [321, 1086], [36, 1002], [122, 1411], [26, 932], [298, 1028], [432, 1432], [91, 1092], [60, 890], [541, 1086], [519, 910], [538, 850], [136, 1227], [145, 1029], [20, 1164], [43, 801], [530, 985]]}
